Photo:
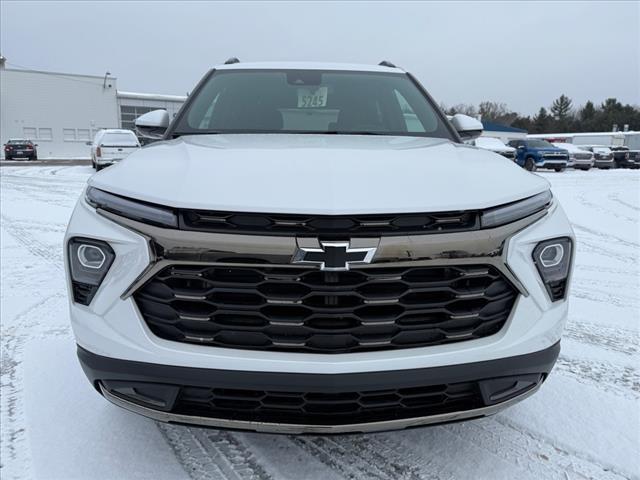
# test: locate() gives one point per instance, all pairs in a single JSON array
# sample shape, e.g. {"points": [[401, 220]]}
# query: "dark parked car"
{"points": [[625, 158], [634, 156], [20, 148]]}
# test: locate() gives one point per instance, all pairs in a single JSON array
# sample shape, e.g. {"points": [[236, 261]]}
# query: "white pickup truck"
{"points": [[112, 145]]}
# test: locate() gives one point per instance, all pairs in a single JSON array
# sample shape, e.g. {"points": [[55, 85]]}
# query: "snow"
{"points": [[583, 423], [92, 440]]}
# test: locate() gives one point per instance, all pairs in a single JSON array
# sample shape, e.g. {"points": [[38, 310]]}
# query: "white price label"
{"points": [[312, 98]]}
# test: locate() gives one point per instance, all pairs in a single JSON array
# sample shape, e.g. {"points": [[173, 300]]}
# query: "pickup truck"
{"points": [[495, 145], [533, 153]]}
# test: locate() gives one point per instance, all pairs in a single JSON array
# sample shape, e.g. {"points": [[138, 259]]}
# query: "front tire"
{"points": [[99, 167], [530, 165], [560, 169]]}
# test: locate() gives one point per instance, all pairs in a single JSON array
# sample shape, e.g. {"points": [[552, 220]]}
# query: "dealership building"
{"points": [[61, 112]]}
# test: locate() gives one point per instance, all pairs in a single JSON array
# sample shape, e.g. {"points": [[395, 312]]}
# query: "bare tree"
{"points": [[497, 112]]}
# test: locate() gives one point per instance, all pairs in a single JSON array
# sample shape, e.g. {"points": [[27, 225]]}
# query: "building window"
{"points": [[129, 113], [30, 133], [83, 134], [45, 134], [69, 134]]}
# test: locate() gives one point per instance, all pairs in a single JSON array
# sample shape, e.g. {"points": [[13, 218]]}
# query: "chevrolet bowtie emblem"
{"points": [[334, 256]]}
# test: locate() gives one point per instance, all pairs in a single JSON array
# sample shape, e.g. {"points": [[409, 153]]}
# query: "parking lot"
{"points": [[582, 424]]}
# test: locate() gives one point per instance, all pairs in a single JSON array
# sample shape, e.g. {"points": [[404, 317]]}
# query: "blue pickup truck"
{"points": [[534, 153]]}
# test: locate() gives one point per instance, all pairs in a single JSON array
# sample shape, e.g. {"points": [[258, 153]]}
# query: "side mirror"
{"points": [[467, 127], [152, 125]]}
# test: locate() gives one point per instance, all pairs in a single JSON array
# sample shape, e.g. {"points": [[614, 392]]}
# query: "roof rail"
{"points": [[386, 63], [231, 61]]}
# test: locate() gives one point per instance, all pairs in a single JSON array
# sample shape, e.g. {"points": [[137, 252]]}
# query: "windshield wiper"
{"points": [[352, 132], [302, 132]]}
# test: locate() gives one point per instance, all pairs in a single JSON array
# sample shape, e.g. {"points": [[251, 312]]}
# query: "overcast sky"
{"points": [[523, 54]]}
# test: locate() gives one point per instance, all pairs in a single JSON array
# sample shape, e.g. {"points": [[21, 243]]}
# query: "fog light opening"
{"points": [[552, 255], [91, 256]]}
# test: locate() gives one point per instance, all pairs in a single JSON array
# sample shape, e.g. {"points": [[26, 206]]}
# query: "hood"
{"points": [[318, 174]]}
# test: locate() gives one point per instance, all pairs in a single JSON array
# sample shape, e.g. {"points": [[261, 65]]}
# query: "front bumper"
{"points": [[552, 164], [352, 402], [604, 163], [107, 161], [583, 164]]}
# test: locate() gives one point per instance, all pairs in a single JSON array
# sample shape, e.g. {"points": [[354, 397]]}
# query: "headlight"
{"points": [[133, 209], [511, 212], [89, 262], [552, 259]]}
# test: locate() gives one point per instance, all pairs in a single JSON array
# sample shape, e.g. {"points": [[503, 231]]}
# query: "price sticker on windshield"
{"points": [[312, 98]]}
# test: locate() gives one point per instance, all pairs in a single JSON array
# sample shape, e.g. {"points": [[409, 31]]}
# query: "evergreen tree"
{"points": [[542, 121], [561, 108], [587, 112]]}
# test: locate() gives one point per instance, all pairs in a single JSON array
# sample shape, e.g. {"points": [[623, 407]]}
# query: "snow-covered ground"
{"points": [[583, 423]]}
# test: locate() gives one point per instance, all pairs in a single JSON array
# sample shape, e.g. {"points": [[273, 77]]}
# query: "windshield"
{"points": [[310, 101], [539, 144], [119, 139]]}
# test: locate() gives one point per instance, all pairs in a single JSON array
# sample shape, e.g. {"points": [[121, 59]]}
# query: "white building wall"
{"points": [[60, 112]]}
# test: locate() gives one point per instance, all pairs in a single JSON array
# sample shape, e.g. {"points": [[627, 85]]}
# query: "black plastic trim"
{"points": [[98, 368]]}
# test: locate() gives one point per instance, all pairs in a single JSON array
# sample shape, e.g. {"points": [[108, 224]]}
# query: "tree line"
{"points": [[561, 116]]}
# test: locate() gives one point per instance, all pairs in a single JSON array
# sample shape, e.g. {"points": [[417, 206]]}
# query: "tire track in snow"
{"points": [[208, 454], [607, 237], [538, 452], [50, 191], [24, 327], [602, 207], [529, 452], [614, 198], [360, 456], [607, 338], [26, 237], [618, 379]]}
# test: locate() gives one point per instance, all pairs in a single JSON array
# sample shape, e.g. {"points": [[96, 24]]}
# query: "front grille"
{"points": [[508, 154], [582, 156], [317, 408], [555, 156], [309, 310], [352, 225]]}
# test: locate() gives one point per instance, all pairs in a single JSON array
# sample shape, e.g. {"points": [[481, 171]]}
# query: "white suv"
{"points": [[313, 248]]}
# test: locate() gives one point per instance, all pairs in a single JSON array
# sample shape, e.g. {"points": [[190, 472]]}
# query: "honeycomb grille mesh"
{"points": [[327, 408], [308, 310]]}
